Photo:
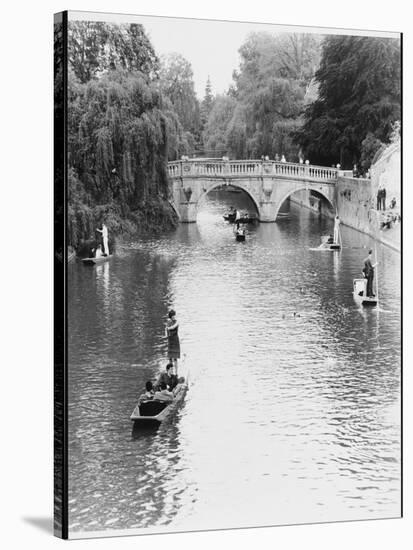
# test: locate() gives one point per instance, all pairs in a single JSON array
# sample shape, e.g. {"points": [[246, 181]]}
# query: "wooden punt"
{"points": [[93, 261], [359, 293], [242, 219], [325, 245], [154, 412], [230, 217]]}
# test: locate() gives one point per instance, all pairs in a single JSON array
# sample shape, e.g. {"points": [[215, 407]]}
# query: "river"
{"points": [[293, 411]]}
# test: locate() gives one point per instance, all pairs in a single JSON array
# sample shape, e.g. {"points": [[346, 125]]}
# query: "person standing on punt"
{"points": [[368, 271], [104, 232], [174, 348], [336, 235]]}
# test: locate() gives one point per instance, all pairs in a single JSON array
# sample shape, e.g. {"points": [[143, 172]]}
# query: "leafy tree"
{"points": [[270, 87], [215, 131], [358, 96], [177, 84], [121, 132], [96, 47], [126, 118], [369, 147]]}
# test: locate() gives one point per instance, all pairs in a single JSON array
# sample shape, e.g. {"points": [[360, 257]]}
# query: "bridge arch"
{"points": [[267, 183], [291, 192], [235, 185]]}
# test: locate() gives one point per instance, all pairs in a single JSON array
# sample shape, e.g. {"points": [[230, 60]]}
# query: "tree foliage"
{"points": [[122, 130], [215, 132], [270, 90], [177, 84], [207, 102], [96, 47], [359, 99]]}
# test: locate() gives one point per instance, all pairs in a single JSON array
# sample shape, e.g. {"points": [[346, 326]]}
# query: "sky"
{"points": [[210, 46]]}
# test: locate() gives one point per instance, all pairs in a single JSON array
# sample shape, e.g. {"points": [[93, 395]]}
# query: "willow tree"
{"points": [[119, 133], [96, 47], [122, 130], [270, 88]]}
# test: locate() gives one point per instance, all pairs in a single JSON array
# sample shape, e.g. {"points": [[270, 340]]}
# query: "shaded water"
{"points": [[293, 413]]}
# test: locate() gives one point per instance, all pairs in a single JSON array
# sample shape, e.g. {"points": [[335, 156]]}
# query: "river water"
{"points": [[293, 411]]}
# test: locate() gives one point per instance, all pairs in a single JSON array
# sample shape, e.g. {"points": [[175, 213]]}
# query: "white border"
{"points": [[135, 18], [26, 208]]}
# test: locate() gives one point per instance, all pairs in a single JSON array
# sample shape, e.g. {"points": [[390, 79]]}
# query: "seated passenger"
{"points": [[173, 381], [98, 252], [148, 394], [166, 377], [330, 239], [163, 394]]}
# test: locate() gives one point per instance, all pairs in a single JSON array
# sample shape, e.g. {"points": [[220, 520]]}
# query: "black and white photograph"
{"points": [[228, 212]]}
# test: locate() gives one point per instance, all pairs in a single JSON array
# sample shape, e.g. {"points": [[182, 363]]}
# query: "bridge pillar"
{"points": [[267, 211], [187, 212]]}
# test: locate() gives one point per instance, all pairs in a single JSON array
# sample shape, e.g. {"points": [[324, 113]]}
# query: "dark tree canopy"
{"points": [[359, 96], [122, 130], [120, 134], [96, 47]]}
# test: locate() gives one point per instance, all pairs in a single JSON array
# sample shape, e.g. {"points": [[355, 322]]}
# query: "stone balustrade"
{"points": [[250, 168]]}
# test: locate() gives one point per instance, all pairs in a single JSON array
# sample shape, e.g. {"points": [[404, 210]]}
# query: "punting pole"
{"points": [[377, 276]]}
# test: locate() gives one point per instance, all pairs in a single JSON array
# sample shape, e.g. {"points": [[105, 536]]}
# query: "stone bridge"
{"points": [[268, 183]]}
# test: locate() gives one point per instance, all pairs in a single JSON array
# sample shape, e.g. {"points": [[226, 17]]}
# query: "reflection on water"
{"points": [[293, 414]]}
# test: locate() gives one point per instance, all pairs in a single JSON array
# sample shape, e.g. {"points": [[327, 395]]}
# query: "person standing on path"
{"points": [[104, 232], [174, 348], [379, 198], [383, 198]]}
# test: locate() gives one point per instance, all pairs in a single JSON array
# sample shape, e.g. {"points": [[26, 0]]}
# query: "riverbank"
{"points": [[155, 216], [357, 199], [356, 209]]}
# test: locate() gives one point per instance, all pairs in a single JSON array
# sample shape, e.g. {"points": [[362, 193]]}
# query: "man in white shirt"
{"points": [[104, 232]]}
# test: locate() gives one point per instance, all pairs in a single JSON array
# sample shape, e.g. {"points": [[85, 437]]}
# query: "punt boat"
{"points": [[93, 261], [325, 245], [230, 217], [359, 293], [154, 412], [242, 219]]}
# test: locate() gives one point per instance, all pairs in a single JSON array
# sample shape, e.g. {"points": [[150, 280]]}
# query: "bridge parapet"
{"points": [[250, 168]]}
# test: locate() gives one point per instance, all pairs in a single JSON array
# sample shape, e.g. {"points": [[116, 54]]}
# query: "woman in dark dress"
{"points": [[174, 348]]}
